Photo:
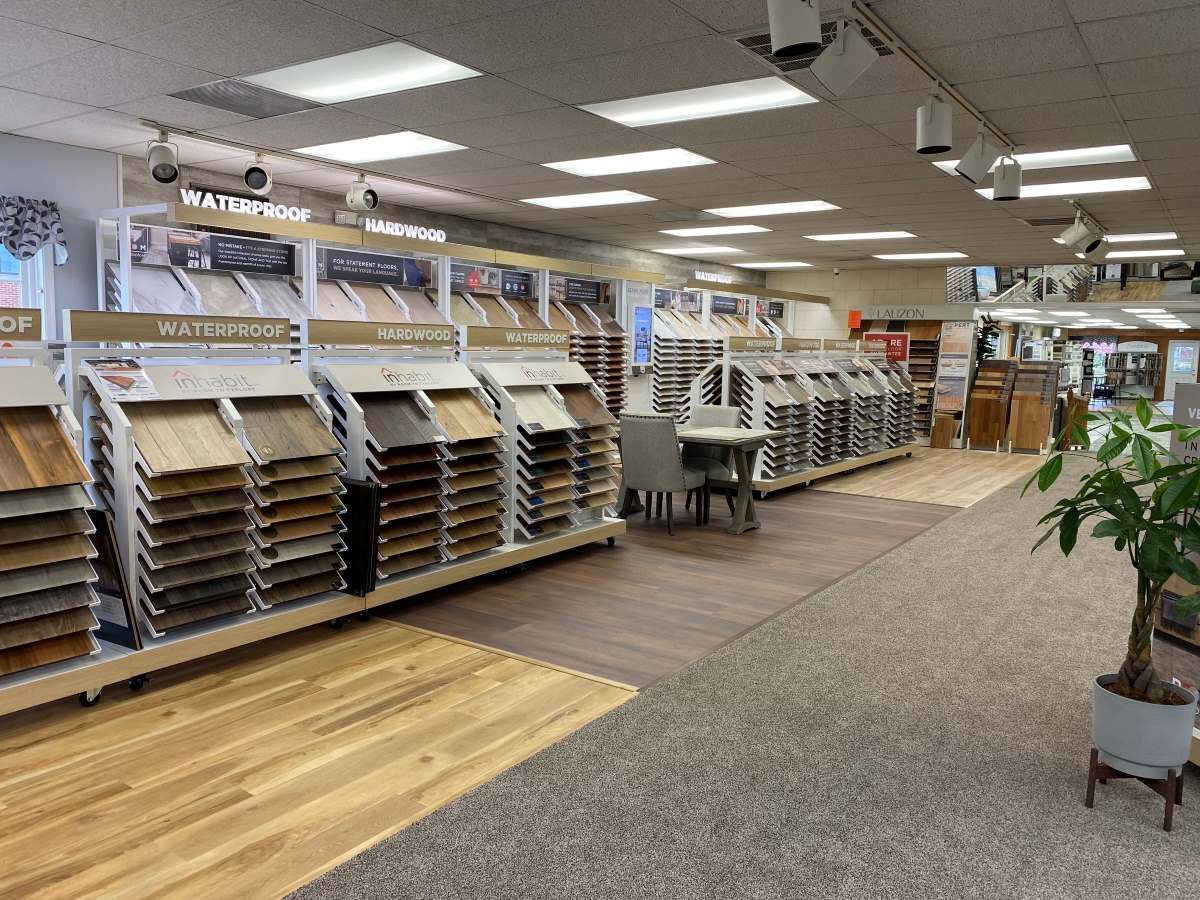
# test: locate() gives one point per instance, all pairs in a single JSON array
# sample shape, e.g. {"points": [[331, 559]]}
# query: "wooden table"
{"points": [[745, 444]]}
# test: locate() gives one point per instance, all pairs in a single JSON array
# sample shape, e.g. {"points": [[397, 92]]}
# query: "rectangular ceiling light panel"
{"points": [[599, 198], [714, 230], [772, 209], [754, 95], [649, 161], [774, 265], [861, 236], [954, 254], [399, 145], [1075, 188], [384, 69], [1057, 159], [1135, 238], [1137, 254], [696, 251]]}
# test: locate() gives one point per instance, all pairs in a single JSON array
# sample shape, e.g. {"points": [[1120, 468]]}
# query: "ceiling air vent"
{"points": [[1051, 221], [760, 45], [236, 96]]}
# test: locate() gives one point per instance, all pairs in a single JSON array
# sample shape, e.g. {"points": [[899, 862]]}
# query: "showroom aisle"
{"points": [[919, 729], [249, 773]]}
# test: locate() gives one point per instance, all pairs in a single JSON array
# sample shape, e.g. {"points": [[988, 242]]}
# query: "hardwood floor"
{"points": [[250, 773], [649, 606], [952, 477]]}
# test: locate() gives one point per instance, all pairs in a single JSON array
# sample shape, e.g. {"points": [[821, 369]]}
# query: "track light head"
{"points": [[361, 195], [845, 60], [935, 124], [978, 160], [795, 27], [1085, 235], [258, 177], [162, 158], [1097, 250], [1006, 181]]}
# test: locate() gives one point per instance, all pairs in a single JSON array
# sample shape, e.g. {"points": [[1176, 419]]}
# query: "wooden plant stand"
{"points": [[1169, 788]]}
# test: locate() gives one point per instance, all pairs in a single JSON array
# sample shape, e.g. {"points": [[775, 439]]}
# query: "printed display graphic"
{"points": [[643, 318], [376, 268], [577, 290], [157, 245], [895, 342], [124, 379]]}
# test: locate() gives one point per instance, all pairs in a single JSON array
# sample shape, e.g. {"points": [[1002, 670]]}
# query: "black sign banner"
{"points": [[240, 254], [516, 284], [377, 268], [157, 245], [726, 305]]}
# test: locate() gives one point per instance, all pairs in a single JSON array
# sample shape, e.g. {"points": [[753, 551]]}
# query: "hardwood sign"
{"points": [[152, 328], [795, 344], [332, 332]]}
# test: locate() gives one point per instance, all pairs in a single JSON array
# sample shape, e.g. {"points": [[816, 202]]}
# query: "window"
{"points": [[10, 279]]}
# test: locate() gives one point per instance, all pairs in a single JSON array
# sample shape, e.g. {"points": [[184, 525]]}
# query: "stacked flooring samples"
{"points": [[45, 551], [991, 396]]}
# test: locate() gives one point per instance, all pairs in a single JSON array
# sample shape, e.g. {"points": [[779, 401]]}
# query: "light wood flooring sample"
{"points": [[36, 578], [295, 489], [534, 407], [39, 628], [202, 482], [52, 650], [418, 507], [463, 449], [581, 403], [475, 511], [284, 428], [300, 568], [401, 474], [299, 509], [45, 552], [463, 416], [298, 468], [379, 306], [405, 456], [35, 452], [233, 604], [406, 562], [182, 435], [474, 545]]}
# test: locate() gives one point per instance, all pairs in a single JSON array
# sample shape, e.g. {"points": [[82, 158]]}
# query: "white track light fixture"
{"points": [[795, 27], [162, 158], [935, 124], [258, 177], [845, 60], [978, 161], [1085, 235], [1006, 180], [1097, 251], [361, 195]]}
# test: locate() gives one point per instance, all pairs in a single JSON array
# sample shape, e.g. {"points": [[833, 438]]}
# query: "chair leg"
{"points": [[699, 492], [687, 503], [670, 514], [707, 503], [649, 504], [658, 506]]}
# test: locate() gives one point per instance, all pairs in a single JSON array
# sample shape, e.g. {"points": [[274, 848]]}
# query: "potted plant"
{"points": [[1148, 505]]}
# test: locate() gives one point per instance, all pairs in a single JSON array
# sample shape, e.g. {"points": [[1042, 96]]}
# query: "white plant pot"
{"points": [[1143, 739]]}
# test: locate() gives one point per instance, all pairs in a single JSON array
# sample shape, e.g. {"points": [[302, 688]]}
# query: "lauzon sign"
{"points": [[403, 229], [225, 203]]}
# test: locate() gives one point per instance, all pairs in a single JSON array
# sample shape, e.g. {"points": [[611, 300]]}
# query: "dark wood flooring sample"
{"points": [[202, 570], [284, 428], [410, 490], [39, 628], [405, 456], [475, 511], [298, 468], [35, 452], [299, 588], [195, 505], [199, 592], [395, 420], [196, 527], [298, 528], [46, 525], [45, 602], [418, 472], [178, 617], [409, 543], [398, 565], [37, 501], [52, 650], [461, 449], [200, 482], [300, 568], [418, 507], [299, 509], [45, 552], [198, 549], [412, 525], [182, 435], [35, 578], [295, 489]]}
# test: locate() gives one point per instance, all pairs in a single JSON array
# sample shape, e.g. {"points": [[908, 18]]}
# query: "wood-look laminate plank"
{"points": [[297, 468], [463, 449], [200, 570], [379, 306], [295, 489], [597, 501], [402, 510], [298, 528], [587, 409], [51, 650], [422, 309], [191, 528], [534, 407], [45, 552], [299, 509], [198, 549], [417, 472], [476, 495], [412, 525], [45, 602], [179, 617], [200, 591], [463, 313], [161, 487], [286, 551], [35, 452], [284, 428], [410, 543], [36, 578], [545, 498], [463, 416], [549, 483], [52, 625], [410, 490], [36, 501], [472, 480], [395, 420], [475, 511], [299, 588], [300, 568], [475, 529], [181, 435], [407, 562], [475, 545], [474, 463], [406, 456], [190, 505], [46, 525]]}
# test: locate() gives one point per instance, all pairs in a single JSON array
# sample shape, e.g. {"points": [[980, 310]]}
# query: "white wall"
{"points": [[856, 289], [82, 182]]}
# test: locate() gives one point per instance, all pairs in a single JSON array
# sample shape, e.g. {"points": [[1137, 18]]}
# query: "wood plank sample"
{"points": [[409, 543], [473, 480], [332, 303], [474, 545], [284, 428], [295, 489], [584, 405], [297, 468], [421, 309], [477, 495], [201, 570], [286, 551], [463, 416], [405, 456], [474, 463], [401, 474], [198, 549], [194, 505], [46, 525], [178, 617], [190, 528], [475, 529], [45, 602], [395, 420], [412, 525], [35, 452], [300, 568], [299, 588], [535, 408], [462, 449], [476, 511], [198, 592], [36, 578], [418, 507], [378, 305], [409, 490], [52, 650], [181, 435], [201, 482], [299, 509], [407, 562], [45, 552], [298, 528], [39, 628], [220, 294]]}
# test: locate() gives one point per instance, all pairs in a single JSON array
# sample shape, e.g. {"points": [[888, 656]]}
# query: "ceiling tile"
{"points": [[837, 139], [456, 101], [554, 188], [105, 21], [559, 31], [101, 130], [904, 132], [21, 110], [1054, 115], [603, 143], [695, 62], [28, 45], [926, 25], [695, 192], [1149, 35], [826, 162], [253, 36], [182, 113], [106, 76], [442, 163], [1155, 74], [792, 120], [642, 181], [304, 129], [1016, 91], [1152, 104], [1166, 128], [730, 15], [883, 108], [1178, 148], [516, 174], [419, 15], [538, 124], [1063, 138], [1018, 54]]}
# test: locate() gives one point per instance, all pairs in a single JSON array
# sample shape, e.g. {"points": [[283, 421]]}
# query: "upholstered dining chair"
{"points": [[651, 461], [715, 462]]}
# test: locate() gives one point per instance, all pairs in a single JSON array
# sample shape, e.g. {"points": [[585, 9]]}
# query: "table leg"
{"points": [[743, 510]]}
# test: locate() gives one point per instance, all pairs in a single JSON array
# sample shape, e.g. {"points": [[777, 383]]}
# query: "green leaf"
{"points": [[1144, 412], [1080, 435], [1165, 426], [1048, 474], [1068, 531], [1108, 528], [1113, 447], [1143, 453], [1045, 537], [1184, 568], [1178, 493]]}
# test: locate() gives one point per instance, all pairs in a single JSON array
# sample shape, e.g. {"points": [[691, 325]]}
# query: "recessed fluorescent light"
{"points": [[1041, 321], [1070, 315], [954, 254], [702, 103], [714, 230], [1057, 159], [1132, 238], [1075, 188], [399, 145], [1132, 254], [860, 236], [774, 265], [1145, 310], [384, 69], [649, 161], [1015, 312], [600, 198], [772, 209], [697, 251]]}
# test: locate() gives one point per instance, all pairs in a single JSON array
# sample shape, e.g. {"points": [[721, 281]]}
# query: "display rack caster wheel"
{"points": [[907, 455], [137, 682], [336, 624], [612, 541], [90, 698], [364, 616]]}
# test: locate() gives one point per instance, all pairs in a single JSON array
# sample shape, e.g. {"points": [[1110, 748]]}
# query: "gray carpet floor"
{"points": [[918, 730]]}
